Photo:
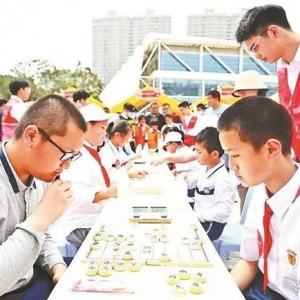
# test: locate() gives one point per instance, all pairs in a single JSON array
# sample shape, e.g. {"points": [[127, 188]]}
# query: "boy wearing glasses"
{"points": [[266, 32], [48, 137]]}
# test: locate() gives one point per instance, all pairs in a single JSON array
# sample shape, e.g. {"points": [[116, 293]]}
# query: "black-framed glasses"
{"points": [[254, 47], [72, 156]]}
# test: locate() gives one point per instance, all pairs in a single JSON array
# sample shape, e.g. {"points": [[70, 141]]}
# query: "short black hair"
{"points": [[141, 117], [168, 116], [16, 84], [257, 119], [166, 130], [120, 126], [209, 137], [184, 104], [80, 94], [174, 129], [52, 113], [202, 106], [215, 94], [154, 103], [2, 101], [258, 19], [262, 92], [130, 107]]}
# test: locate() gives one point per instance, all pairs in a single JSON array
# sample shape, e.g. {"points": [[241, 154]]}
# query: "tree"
{"points": [[33, 72], [45, 78], [4, 83], [56, 80], [84, 78]]}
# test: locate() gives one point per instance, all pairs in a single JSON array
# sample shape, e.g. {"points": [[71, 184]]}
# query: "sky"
{"points": [[61, 30]]}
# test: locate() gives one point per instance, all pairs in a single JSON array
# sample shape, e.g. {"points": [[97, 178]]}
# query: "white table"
{"points": [[150, 282]]}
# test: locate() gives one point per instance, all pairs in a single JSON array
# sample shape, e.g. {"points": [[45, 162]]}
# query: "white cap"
{"points": [[249, 80], [93, 112], [172, 136]]}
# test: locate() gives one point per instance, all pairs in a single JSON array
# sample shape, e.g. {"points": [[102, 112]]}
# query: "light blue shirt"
{"points": [[218, 111]]}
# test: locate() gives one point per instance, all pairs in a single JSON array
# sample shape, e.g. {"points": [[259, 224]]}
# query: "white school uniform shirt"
{"points": [[109, 155], [293, 70], [214, 195], [186, 120], [283, 275], [18, 108], [203, 122], [87, 179]]}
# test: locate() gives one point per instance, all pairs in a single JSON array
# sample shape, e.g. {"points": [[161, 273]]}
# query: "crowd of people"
{"points": [[61, 161]]}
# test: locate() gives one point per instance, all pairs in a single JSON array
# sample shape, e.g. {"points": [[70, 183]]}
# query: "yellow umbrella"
{"points": [[163, 98], [132, 100], [142, 98], [95, 101]]}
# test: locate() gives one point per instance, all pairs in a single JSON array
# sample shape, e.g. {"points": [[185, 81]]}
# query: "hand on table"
{"points": [[158, 161], [57, 272], [181, 175], [186, 177], [136, 156], [137, 174]]}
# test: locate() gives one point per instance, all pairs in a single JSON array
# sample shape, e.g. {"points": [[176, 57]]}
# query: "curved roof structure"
{"points": [[126, 81], [136, 72]]}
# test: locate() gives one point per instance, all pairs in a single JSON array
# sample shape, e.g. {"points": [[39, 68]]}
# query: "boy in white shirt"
{"points": [[91, 181], [215, 194], [256, 132], [15, 107], [173, 143]]}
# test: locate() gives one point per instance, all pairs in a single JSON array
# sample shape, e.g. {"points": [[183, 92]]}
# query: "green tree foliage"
{"points": [[45, 78], [4, 82]]}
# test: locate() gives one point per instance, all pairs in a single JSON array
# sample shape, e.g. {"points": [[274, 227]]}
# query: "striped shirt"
{"points": [[21, 246]]}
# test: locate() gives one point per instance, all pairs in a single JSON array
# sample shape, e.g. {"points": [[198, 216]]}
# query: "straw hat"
{"points": [[248, 80]]}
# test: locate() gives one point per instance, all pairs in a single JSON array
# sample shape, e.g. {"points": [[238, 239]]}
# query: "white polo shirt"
{"points": [[293, 70], [214, 195], [18, 108], [284, 228], [86, 178]]}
